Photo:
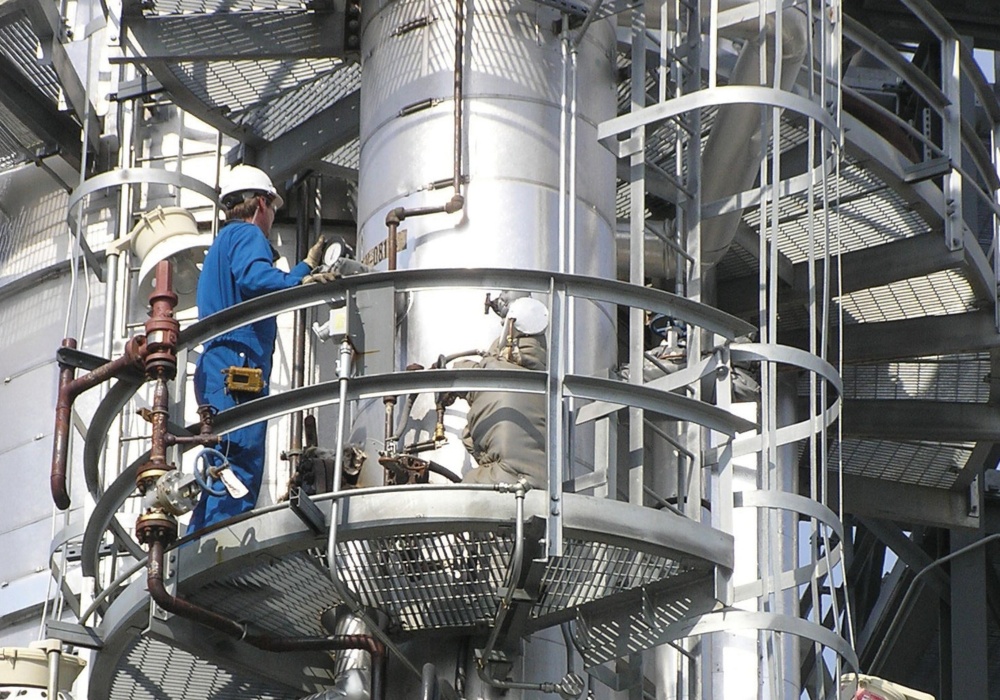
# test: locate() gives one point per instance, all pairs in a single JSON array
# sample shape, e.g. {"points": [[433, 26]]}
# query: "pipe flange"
{"points": [[155, 526], [150, 474]]}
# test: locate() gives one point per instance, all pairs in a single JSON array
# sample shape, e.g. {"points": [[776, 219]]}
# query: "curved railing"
{"points": [[580, 388]]}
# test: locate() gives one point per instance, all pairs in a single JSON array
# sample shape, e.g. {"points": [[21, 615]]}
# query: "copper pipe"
{"points": [[191, 611], [69, 389]]}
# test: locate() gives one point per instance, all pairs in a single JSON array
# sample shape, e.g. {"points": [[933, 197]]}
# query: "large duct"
{"points": [[733, 152]]}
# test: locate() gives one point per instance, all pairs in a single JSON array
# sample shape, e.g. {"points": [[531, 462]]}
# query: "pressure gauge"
{"points": [[334, 252], [530, 315]]}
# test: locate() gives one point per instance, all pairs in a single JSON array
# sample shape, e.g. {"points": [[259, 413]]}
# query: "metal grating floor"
{"points": [[152, 670], [961, 378], [286, 596], [609, 632], [589, 571], [921, 463], [939, 294], [430, 580]]}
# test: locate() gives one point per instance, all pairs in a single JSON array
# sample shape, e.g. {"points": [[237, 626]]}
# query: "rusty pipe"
{"points": [[69, 389], [201, 440], [156, 466], [178, 606], [191, 611], [161, 326], [391, 253], [205, 436], [398, 215]]}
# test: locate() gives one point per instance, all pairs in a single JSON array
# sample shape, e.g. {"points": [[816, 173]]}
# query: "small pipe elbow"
{"points": [[395, 216]]}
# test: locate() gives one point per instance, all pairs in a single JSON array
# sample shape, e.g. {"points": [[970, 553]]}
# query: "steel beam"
{"points": [[312, 139], [969, 619], [49, 27], [920, 337], [904, 503], [921, 420], [909, 552]]}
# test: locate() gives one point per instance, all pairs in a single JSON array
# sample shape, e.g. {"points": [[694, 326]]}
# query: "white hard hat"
{"points": [[247, 179]]}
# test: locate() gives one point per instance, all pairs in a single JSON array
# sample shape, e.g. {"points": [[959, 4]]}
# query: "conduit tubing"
{"points": [[191, 611]]}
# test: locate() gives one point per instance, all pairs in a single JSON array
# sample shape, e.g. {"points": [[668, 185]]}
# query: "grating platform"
{"points": [[435, 562]]}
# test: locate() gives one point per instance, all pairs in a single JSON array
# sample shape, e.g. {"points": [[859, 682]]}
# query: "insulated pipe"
{"points": [[731, 159], [429, 687], [69, 389], [188, 610]]}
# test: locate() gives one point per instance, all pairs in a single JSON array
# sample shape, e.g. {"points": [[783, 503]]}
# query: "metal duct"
{"points": [[732, 156]]}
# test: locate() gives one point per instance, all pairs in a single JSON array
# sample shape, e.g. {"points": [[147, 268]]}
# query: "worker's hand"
{"points": [[315, 255], [321, 277]]}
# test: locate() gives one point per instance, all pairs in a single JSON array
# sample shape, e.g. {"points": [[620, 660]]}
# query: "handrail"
{"points": [[936, 22], [591, 288], [597, 290], [931, 93]]}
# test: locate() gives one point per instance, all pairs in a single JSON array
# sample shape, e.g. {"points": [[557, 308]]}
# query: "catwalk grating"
{"points": [[281, 596], [429, 580], [176, 7], [152, 670], [934, 465], [588, 571], [19, 43], [939, 294], [962, 378]]}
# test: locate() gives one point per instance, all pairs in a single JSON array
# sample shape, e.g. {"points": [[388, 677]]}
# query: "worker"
{"points": [[236, 367]]}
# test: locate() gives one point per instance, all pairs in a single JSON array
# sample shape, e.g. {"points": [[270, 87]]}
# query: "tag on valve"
{"points": [[233, 485]]}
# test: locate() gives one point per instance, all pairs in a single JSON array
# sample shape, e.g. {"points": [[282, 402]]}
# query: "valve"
{"points": [[175, 493]]}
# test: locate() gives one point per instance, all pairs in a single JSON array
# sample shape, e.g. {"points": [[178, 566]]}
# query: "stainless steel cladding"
{"points": [[518, 82]]}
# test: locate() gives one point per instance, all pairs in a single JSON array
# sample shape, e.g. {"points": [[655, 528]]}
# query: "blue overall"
{"points": [[239, 266]]}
